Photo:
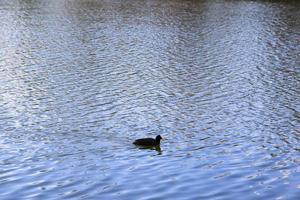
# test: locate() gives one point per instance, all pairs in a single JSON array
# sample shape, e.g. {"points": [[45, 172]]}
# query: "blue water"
{"points": [[81, 79]]}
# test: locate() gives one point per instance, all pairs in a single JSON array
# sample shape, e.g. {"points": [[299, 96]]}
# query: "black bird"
{"points": [[148, 141]]}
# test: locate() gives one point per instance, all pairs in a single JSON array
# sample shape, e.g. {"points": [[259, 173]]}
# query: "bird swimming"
{"points": [[148, 141]]}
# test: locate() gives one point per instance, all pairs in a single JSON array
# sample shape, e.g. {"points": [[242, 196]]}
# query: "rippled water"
{"points": [[80, 79]]}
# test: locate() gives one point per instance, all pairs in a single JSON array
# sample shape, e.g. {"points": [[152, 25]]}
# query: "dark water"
{"points": [[80, 79]]}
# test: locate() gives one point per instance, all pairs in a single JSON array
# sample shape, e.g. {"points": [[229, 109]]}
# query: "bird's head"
{"points": [[158, 138]]}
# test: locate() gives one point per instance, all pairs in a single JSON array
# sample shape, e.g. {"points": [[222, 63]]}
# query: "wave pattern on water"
{"points": [[79, 80]]}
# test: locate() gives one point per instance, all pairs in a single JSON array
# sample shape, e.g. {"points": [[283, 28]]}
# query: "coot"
{"points": [[148, 141]]}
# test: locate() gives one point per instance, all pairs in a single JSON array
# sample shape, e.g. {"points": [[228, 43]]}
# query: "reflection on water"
{"points": [[79, 80], [156, 148]]}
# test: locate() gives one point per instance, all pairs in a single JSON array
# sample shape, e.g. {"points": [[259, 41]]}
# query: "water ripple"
{"points": [[79, 80]]}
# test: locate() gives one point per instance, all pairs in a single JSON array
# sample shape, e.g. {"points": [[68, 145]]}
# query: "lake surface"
{"points": [[81, 79]]}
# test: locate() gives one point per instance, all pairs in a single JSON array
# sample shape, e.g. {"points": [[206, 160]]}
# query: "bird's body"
{"points": [[148, 141]]}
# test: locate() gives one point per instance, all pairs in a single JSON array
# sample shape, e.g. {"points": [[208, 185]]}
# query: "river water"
{"points": [[81, 79]]}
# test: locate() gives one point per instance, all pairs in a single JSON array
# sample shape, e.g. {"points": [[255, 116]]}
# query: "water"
{"points": [[81, 79]]}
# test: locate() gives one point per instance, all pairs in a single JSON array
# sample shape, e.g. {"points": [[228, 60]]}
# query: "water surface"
{"points": [[80, 79]]}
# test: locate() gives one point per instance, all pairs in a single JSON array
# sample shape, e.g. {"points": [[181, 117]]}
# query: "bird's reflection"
{"points": [[156, 148]]}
